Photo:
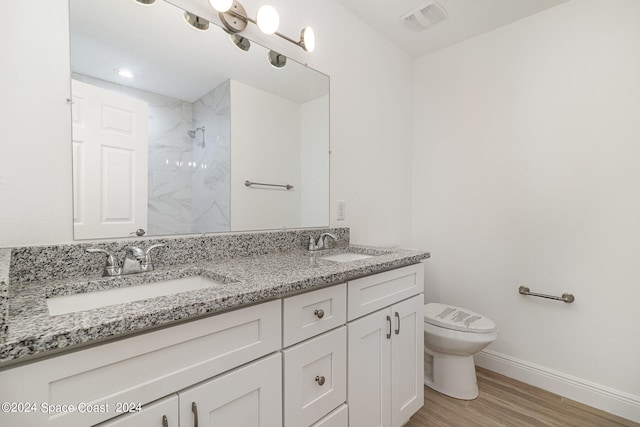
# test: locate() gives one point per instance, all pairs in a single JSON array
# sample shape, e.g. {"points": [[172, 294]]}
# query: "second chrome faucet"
{"points": [[322, 242], [136, 260]]}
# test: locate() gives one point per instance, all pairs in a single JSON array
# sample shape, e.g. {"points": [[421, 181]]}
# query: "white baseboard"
{"points": [[598, 396]]}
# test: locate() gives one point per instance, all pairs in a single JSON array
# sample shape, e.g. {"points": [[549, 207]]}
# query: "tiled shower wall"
{"points": [[212, 163]]}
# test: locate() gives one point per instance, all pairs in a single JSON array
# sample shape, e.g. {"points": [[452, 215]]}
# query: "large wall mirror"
{"points": [[169, 122]]}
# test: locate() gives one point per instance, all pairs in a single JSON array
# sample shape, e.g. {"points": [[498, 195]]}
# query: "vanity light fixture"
{"points": [[268, 19], [308, 39], [241, 42], [221, 5], [276, 59], [196, 22], [234, 18]]}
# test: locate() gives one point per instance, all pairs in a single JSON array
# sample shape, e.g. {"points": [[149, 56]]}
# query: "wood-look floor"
{"points": [[506, 402]]}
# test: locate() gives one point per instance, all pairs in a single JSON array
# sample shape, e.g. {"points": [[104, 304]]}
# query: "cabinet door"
{"points": [[161, 413], [250, 396], [407, 360], [369, 373], [315, 378]]}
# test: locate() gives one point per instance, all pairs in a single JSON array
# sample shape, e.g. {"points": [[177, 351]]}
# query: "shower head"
{"points": [[192, 134]]}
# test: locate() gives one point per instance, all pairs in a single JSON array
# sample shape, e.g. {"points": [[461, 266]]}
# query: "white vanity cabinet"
{"points": [[385, 368], [344, 355], [139, 369]]}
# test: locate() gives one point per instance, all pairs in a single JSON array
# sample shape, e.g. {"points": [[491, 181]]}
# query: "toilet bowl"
{"points": [[452, 335]]}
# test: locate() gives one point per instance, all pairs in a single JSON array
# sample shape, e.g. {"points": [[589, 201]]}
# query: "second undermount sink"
{"points": [[353, 253], [346, 257], [89, 300]]}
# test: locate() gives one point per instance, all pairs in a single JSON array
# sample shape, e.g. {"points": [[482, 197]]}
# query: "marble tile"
{"points": [[211, 176]]}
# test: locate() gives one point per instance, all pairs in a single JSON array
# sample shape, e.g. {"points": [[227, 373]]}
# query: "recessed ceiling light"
{"points": [[127, 74]]}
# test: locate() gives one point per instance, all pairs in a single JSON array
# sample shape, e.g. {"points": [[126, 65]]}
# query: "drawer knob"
{"points": [[320, 380], [320, 314]]}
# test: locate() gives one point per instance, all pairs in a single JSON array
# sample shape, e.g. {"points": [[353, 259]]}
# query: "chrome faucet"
{"points": [[132, 261], [111, 267], [136, 260], [322, 242]]}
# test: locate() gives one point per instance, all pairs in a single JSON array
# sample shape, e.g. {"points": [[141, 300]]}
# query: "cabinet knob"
{"points": [[320, 380], [165, 421], [319, 314]]}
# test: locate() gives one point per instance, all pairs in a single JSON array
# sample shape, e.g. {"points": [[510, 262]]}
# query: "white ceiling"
{"points": [[465, 19]]}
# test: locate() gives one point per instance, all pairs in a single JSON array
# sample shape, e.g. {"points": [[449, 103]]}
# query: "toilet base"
{"points": [[452, 375]]}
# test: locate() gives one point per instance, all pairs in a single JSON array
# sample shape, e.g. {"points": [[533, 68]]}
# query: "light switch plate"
{"points": [[340, 210]]}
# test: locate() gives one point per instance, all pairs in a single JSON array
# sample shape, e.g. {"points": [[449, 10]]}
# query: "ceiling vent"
{"points": [[425, 16]]}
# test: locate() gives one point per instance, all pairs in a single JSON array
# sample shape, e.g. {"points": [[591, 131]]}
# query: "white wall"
{"points": [[370, 118], [35, 124], [526, 171], [266, 148], [314, 162]]}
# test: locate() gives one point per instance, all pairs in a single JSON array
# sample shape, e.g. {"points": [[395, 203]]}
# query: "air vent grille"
{"points": [[424, 16]]}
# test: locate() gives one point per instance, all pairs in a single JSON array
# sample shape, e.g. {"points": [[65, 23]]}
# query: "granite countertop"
{"points": [[31, 331]]}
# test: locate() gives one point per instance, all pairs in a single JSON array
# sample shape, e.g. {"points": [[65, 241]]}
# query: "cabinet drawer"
{"points": [[157, 414], [377, 291], [142, 368], [313, 313], [338, 418], [315, 378]]}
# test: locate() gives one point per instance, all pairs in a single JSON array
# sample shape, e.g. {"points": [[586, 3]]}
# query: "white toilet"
{"points": [[452, 335]]}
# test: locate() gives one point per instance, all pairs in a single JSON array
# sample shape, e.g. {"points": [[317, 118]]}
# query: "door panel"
{"points": [[109, 162]]}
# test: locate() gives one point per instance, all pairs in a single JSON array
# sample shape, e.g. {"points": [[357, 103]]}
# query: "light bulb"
{"points": [[308, 39], [221, 5], [268, 19]]}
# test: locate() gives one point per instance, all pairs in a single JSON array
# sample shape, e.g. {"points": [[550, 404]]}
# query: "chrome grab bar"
{"points": [[568, 298], [287, 186]]}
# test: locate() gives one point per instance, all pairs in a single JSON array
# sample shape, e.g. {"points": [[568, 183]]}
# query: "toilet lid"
{"points": [[459, 319]]}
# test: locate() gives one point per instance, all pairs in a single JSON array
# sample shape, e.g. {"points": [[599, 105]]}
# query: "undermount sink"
{"points": [[89, 300], [346, 257]]}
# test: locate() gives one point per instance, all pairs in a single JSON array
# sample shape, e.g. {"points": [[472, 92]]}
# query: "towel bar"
{"points": [[287, 186], [568, 298]]}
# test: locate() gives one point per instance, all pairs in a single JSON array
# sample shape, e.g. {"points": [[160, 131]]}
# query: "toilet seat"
{"points": [[457, 318]]}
